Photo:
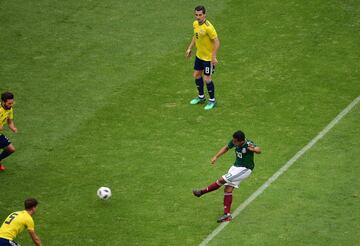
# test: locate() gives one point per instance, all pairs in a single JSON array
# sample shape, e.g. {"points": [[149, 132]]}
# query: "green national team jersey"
{"points": [[244, 157]]}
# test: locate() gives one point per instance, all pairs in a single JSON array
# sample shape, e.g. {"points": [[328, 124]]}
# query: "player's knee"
{"points": [[221, 181], [197, 75], [208, 79], [228, 189], [11, 149]]}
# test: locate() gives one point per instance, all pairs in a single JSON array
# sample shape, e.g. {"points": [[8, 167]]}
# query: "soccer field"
{"points": [[102, 92]]}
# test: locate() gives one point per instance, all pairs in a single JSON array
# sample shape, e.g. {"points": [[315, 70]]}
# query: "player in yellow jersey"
{"points": [[207, 44], [6, 117], [16, 222]]}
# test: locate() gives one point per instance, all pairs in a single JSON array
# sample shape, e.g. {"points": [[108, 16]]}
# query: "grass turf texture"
{"points": [[102, 93]]}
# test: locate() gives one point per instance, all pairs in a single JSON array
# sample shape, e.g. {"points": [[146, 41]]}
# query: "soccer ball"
{"points": [[104, 193]]}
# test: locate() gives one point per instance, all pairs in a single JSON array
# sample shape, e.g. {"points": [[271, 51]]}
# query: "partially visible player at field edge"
{"points": [[15, 223], [6, 116], [207, 44], [242, 168]]}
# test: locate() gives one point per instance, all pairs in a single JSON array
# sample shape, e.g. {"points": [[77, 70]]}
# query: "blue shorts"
{"points": [[205, 66], [5, 242], [4, 142]]}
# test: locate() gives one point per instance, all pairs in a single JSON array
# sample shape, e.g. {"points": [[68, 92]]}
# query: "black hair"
{"points": [[200, 8], [30, 203], [6, 96], [239, 135]]}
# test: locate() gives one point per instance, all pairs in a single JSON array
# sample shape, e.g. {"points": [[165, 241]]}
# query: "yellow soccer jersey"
{"points": [[204, 35], [15, 223], [5, 114]]}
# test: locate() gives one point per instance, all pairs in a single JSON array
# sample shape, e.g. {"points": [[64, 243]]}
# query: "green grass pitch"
{"points": [[102, 99]]}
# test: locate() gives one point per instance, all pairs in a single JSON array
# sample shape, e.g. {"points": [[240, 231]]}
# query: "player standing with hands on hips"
{"points": [[207, 44], [6, 116], [242, 168]]}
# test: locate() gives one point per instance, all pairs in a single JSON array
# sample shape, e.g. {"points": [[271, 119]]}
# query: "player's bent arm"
{"points": [[35, 238], [1, 127], [257, 150]]}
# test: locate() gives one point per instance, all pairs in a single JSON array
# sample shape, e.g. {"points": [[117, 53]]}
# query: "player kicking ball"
{"points": [[242, 169]]}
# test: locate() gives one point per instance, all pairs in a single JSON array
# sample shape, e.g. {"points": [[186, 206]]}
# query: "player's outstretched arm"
{"points": [[11, 125], [222, 151], [35, 238]]}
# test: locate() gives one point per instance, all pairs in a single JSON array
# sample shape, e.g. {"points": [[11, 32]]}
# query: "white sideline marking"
{"points": [[283, 169]]}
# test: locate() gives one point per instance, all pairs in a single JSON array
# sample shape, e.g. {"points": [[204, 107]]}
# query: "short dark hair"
{"points": [[30, 203], [6, 96], [200, 8], [239, 135]]}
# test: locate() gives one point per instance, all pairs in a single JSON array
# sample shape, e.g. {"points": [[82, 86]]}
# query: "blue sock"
{"points": [[211, 89], [200, 86]]}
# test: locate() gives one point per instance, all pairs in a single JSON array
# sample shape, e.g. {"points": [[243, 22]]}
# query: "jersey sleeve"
{"points": [[230, 144], [30, 224], [1, 117], [211, 32], [194, 24], [250, 142]]}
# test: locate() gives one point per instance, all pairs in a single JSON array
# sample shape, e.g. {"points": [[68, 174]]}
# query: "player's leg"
{"points": [[233, 179], [199, 82], [208, 70], [227, 198], [228, 189], [214, 186], [8, 149]]}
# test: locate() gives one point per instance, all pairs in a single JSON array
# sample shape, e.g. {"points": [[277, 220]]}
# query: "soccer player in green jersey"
{"points": [[16, 222], [207, 44], [6, 116], [242, 168]]}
